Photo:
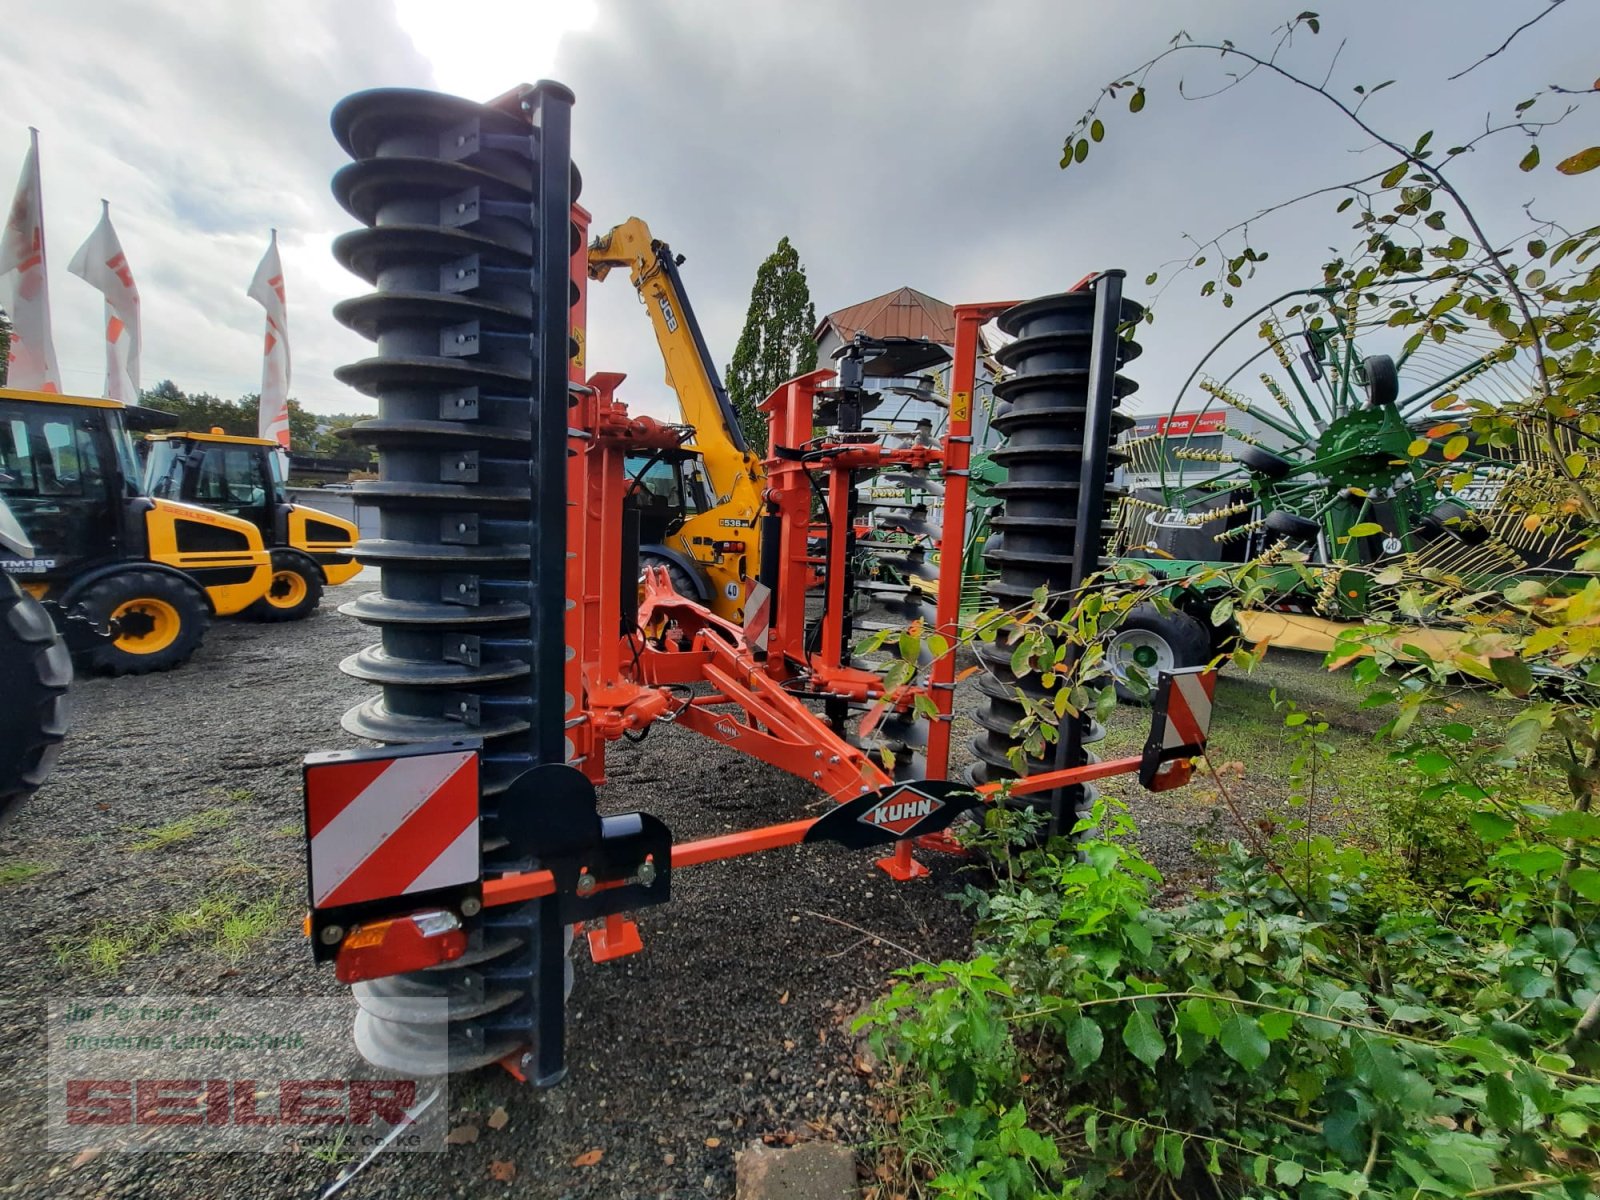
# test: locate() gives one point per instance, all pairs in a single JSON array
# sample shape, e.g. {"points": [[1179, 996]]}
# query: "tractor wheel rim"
{"points": [[288, 589], [1142, 649], [145, 625]]}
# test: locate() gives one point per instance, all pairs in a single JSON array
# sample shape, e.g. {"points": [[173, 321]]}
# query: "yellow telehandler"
{"points": [[699, 506]]}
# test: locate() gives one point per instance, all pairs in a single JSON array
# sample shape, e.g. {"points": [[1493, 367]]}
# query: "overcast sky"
{"points": [[894, 143]]}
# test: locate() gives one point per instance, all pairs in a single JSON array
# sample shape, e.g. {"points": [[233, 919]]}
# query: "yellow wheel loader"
{"points": [[699, 507], [243, 477], [147, 574]]}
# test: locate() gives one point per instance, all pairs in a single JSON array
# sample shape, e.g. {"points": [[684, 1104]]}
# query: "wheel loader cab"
{"points": [[147, 572], [243, 477]]}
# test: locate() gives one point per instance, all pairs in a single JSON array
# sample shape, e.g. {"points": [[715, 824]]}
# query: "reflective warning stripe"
{"points": [[386, 827], [758, 616], [1189, 708]]}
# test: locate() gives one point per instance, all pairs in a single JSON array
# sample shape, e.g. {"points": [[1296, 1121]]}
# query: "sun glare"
{"points": [[522, 50]]}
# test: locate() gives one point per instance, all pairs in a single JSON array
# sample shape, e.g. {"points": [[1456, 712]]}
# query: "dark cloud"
{"points": [[894, 143]]}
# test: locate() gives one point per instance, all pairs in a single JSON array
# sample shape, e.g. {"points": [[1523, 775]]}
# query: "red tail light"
{"points": [[393, 947]]}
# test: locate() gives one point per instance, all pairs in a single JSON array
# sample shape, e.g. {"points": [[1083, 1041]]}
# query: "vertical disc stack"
{"points": [[1058, 415], [467, 238]]}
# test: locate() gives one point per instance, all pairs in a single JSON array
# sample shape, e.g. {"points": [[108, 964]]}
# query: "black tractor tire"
{"points": [[1458, 521], [35, 673], [1264, 462], [1292, 526], [157, 621], [295, 592], [682, 582], [1154, 642], [1383, 380]]}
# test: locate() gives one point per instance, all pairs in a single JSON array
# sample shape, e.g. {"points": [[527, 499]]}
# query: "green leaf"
{"points": [[1522, 738], [1574, 825], [1084, 1041], [1243, 1041], [1097, 130], [1365, 529], [1222, 611], [1456, 446], [1080, 152], [1490, 826], [1197, 1014], [1136, 102], [1513, 673], [1530, 160], [1276, 1025], [1396, 174], [1143, 1039], [1586, 882], [1287, 1172], [1503, 1104], [1581, 162], [1150, 278], [1431, 762]]}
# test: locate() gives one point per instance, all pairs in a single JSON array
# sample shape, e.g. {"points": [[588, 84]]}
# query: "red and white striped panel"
{"points": [[1189, 708], [386, 827], [758, 616]]}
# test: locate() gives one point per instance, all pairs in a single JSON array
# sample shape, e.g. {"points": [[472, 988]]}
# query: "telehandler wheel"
{"points": [[157, 622], [295, 592], [682, 582], [35, 672], [1150, 642]]}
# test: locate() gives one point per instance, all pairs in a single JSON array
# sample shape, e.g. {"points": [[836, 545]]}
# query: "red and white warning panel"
{"points": [[1189, 708], [1180, 721], [382, 824]]}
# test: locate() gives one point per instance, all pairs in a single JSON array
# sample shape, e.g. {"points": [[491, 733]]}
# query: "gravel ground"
{"points": [[730, 1026]]}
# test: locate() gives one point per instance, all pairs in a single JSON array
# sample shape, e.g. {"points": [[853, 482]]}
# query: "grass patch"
{"points": [[243, 927], [241, 796], [225, 922], [11, 873], [173, 832]]}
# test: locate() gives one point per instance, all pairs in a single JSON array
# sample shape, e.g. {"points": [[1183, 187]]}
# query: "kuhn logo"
{"points": [[901, 811]]}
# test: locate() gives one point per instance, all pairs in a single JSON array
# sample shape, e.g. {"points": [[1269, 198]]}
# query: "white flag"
{"points": [[101, 263], [266, 289], [24, 288]]}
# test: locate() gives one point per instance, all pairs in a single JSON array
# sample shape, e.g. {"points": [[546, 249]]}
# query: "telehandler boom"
{"points": [[697, 506]]}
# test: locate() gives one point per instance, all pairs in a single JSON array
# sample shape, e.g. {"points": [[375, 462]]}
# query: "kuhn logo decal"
{"points": [[900, 811]]}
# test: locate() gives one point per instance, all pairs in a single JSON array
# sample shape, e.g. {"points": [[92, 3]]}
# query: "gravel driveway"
{"points": [[165, 858], [729, 1026]]}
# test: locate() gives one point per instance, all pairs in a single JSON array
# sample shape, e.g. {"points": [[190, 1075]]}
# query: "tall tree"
{"points": [[776, 343]]}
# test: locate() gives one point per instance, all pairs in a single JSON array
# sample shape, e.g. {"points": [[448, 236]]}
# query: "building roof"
{"points": [[903, 313]]}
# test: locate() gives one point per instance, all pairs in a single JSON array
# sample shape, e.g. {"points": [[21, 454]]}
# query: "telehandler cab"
{"points": [[244, 478], [148, 573]]}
